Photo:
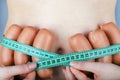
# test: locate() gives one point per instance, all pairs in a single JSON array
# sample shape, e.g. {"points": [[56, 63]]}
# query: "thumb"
{"points": [[18, 70], [93, 67]]}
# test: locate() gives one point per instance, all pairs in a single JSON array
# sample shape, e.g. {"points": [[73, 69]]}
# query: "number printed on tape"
{"points": [[51, 59]]}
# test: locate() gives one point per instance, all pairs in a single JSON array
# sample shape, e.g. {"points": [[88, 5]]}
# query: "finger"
{"points": [[26, 37], [99, 39], [30, 76], [7, 54], [68, 74], [79, 42], [44, 40], [93, 67], [78, 74], [65, 73], [18, 70], [113, 34]]}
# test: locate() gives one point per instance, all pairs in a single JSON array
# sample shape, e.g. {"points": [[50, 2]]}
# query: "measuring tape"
{"points": [[51, 59], [26, 49]]}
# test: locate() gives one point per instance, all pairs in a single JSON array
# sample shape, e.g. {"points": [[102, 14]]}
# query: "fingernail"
{"points": [[32, 65]]}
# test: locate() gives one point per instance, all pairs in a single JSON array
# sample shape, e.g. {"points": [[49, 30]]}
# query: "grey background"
{"points": [[3, 15]]}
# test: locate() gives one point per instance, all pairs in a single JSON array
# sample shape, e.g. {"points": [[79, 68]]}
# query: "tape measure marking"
{"points": [[79, 56], [50, 59], [26, 49]]}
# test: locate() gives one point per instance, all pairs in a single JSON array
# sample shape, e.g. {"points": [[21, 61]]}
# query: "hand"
{"points": [[106, 35], [102, 71], [30, 35], [8, 73]]}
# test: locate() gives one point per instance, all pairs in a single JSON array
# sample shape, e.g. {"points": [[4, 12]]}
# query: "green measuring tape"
{"points": [[26, 49], [50, 59]]}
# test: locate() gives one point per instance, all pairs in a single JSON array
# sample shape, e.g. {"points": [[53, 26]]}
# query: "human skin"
{"points": [[8, 73], [63, 17], [66, 17], [104, 36], [100, 74]]}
